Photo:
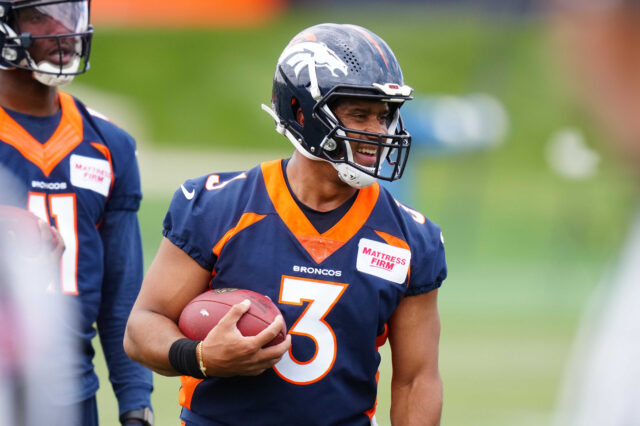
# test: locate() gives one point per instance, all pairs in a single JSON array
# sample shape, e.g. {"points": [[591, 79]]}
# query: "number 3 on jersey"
{"points": [[321, 296], [63, 209]]}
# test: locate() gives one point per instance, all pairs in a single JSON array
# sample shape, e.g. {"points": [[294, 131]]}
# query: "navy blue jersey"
{"points": [[80, 174], [336, 290]]}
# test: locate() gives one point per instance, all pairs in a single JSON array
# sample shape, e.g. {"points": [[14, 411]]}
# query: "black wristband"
{"points": [[183, 358]]}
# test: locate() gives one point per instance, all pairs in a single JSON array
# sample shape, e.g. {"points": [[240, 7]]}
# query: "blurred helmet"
{"points": [[52, 38], [326, 63]]}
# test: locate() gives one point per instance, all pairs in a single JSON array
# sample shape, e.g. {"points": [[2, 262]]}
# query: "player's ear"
{"points": [[297, 111], [300, 116]]}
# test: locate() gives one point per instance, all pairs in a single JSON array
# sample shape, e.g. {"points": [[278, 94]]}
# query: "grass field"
{"points": [[525, 247]]}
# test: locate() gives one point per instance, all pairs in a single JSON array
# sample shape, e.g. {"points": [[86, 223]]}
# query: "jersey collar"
{"points": [[46, 156], [319, 246]]}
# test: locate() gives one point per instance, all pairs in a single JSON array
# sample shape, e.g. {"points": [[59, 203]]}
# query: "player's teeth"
{"points": [[368, 151]]}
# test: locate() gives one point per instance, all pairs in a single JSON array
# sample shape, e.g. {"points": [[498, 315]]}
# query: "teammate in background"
{"points": [[347, 264], [80, 174], [599, 43], [30, 336]]}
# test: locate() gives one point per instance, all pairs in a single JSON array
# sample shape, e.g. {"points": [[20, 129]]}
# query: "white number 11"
{"points": [[62, 207]]}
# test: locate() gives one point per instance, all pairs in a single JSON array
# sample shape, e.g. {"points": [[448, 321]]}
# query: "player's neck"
{"points": [[316, 183], [20, 92]]}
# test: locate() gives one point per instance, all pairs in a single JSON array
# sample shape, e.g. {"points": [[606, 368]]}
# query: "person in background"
{"points": [[598, 43], [78, 173], [30, 314]]}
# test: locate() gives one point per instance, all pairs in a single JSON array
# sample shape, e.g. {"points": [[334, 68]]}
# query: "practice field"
{"points": [[525, 247]]}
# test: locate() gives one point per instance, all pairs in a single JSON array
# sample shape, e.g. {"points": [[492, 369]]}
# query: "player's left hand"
{"points": [[226, 352]]}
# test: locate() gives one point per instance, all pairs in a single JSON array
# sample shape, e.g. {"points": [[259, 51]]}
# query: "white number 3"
{"points": [[321, 296]]}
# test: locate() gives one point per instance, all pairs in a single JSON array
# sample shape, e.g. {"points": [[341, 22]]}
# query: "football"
{"points": [[202, 313]]}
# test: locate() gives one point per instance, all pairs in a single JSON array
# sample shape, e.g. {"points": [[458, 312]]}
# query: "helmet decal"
{"points": [[303, 54]]}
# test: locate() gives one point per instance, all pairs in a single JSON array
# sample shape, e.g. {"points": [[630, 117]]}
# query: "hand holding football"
{"points": [[202, 313]]}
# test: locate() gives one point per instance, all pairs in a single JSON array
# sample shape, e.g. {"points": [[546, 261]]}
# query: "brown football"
{"points": [[202, 313]]}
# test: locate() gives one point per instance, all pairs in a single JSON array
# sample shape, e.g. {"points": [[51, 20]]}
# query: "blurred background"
{"points": [[532, 200]]}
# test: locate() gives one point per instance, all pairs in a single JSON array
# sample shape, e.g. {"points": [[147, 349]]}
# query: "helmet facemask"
{"points": [[50, 38], [391, 148]]}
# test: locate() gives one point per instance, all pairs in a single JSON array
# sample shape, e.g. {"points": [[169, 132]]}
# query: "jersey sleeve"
{"points": [[123, 269], [126, 193], [428, 262], [188, 221], [131, 382]]}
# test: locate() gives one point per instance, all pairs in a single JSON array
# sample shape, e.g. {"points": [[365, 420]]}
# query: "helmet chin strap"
{"points": [[350, 175], [46, 73]]}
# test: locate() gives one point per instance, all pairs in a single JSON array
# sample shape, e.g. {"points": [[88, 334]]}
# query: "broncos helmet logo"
{"points": [[303, 54]]}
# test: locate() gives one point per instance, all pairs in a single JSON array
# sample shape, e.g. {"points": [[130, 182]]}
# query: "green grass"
{"points": [[222, 76], [524, 246]]}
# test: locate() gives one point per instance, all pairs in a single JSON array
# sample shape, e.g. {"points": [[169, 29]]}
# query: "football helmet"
{"points": [[326, 63], [52, 38]]}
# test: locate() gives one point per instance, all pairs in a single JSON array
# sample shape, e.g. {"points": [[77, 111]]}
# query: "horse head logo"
{"points": [[308, 53]]}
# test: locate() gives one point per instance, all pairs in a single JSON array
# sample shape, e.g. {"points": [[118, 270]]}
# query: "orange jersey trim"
{"points": [[319, 246], [245, 221], [382, 339], [107, 155], [372, 411], [396, 242], [187, 389], [46, 155]]}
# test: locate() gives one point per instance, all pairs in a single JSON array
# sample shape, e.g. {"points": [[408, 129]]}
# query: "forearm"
{"points": [[418, 402], [132, 383], [148, 338]]}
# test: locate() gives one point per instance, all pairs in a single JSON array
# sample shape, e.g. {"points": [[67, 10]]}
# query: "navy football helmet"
{"points": [[328, 62], [60, 28]]}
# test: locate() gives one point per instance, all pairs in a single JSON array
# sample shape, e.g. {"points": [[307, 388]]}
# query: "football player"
{"points": [[347, 265], [80, 174]]}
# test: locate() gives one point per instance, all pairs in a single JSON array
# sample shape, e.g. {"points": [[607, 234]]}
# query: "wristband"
{"points": [[184, 359], [143, 416]]}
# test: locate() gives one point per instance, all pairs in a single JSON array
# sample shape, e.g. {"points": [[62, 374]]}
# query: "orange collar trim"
{"points": [[319, 246], [46, 155]]}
